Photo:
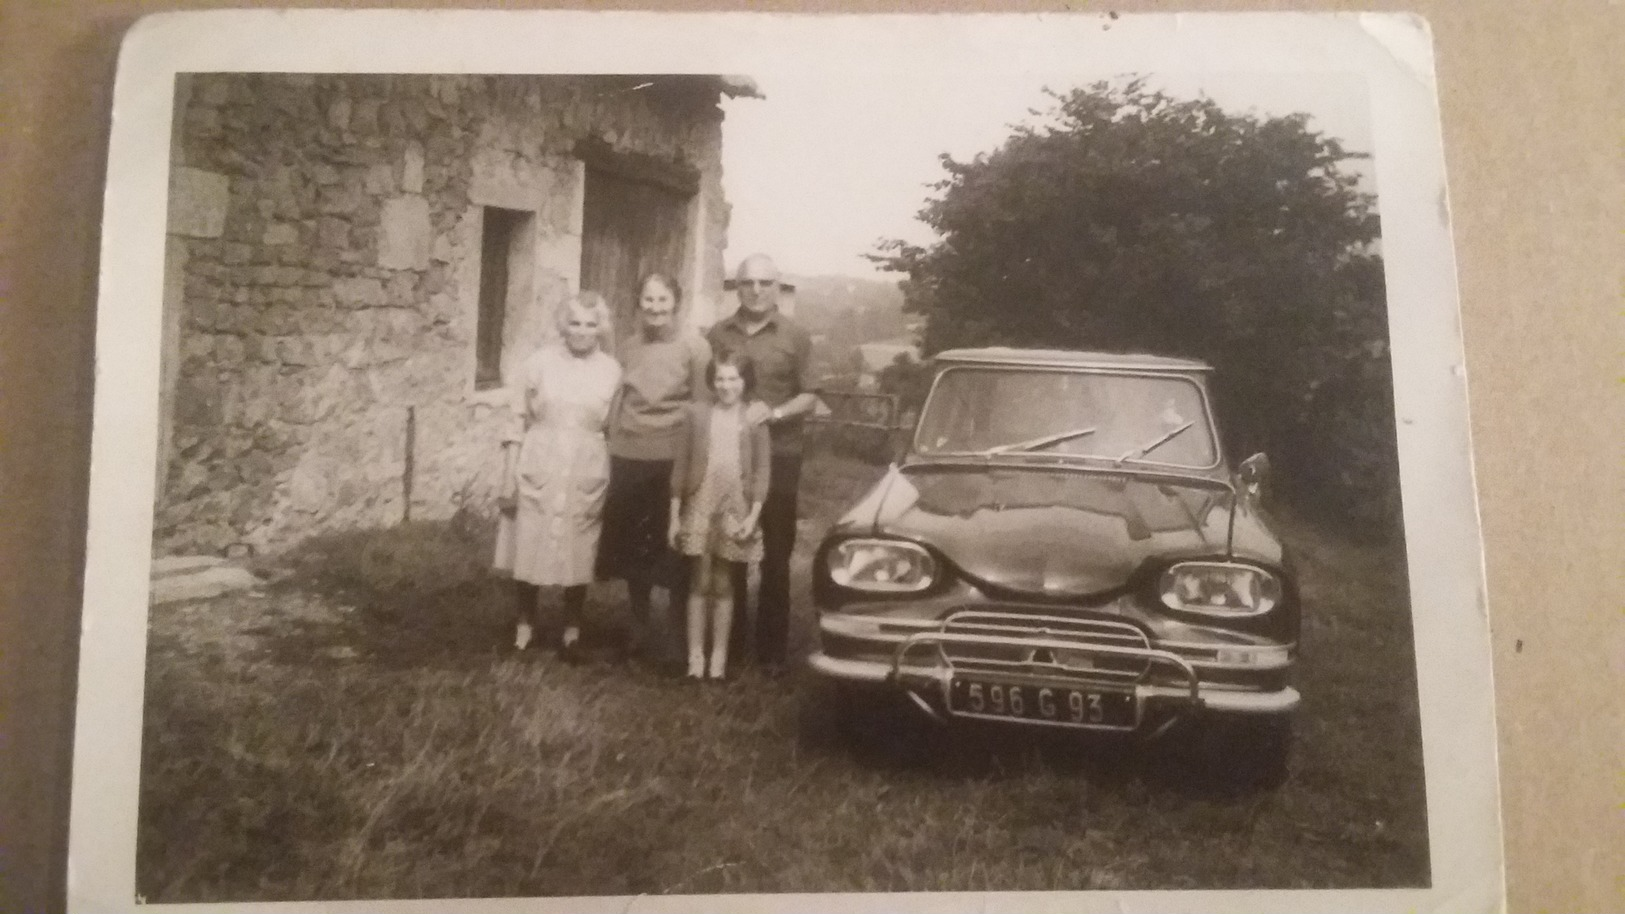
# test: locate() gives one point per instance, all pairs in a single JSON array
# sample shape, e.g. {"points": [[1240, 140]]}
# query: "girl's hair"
{"points": [[665, 279], [593, 303], [741, 363]]}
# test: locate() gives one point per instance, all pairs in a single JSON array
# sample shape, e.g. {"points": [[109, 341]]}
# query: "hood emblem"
{"points": [[1040, 655]]}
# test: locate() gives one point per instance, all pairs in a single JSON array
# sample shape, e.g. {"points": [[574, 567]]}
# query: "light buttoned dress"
{"points": [[560, 409]]}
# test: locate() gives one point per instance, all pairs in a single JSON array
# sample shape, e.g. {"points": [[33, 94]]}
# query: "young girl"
{"points": [[718, 483]]}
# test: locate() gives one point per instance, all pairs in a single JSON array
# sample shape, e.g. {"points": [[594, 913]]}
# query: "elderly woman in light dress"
{"points": [[556, 469], [588, 462]]}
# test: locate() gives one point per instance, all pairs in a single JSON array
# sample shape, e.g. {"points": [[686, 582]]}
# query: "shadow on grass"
{"points": [[414, 595], [892, 739]]}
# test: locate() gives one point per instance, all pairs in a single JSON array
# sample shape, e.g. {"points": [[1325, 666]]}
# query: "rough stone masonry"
{"points": [[322, 276]]}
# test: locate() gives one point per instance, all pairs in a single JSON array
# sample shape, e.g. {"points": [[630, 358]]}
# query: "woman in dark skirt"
{"points": [[663, 371]]}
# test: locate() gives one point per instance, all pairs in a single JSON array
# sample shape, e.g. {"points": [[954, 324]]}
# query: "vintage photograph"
{"points": [[893, 477]]}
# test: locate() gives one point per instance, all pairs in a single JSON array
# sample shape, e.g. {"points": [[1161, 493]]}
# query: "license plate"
{"points": [[1076, 707]]}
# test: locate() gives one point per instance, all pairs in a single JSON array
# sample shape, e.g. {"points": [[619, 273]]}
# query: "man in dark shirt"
{"points": [[780, 348]]}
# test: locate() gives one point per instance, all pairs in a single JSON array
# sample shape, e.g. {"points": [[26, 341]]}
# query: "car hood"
{"points": [[1049, 531]]}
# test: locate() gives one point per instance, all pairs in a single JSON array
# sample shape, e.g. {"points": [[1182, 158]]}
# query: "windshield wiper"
{"points": [[1033, 444], [1140, 452]]}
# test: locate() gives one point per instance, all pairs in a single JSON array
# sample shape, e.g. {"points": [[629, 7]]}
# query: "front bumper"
{"points": [[922, 660], [1207, 698]]}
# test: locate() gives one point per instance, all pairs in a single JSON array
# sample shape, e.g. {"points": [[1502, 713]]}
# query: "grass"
{"points": [[359, 729]]}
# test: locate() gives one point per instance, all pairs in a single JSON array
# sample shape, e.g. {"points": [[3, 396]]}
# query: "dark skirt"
{"points": [[633, 543]]}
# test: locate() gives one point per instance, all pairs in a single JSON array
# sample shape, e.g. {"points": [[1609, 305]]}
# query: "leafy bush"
{"points": [[1129, 220]]}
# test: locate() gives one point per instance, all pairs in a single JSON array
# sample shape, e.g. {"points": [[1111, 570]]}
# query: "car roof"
{"points": [[1071, 358]]}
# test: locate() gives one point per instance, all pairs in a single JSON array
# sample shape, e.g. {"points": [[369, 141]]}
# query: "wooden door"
{"points": [[631, 227]]}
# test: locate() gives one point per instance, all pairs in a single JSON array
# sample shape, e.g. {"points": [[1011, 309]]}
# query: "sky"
{"points": [[835, 158]]}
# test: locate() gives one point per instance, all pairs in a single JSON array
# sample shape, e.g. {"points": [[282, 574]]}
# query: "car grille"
{"points": [[1024, 642]]}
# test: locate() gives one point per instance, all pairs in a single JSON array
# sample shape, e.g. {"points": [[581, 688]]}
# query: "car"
{"points": [[1062, 544]]}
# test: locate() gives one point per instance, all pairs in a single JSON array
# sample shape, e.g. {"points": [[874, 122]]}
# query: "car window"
{"points": [[1138, 417]]}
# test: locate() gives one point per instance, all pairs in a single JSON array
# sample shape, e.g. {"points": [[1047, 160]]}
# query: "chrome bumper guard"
{"points": [[1056, 637], [1033, 633]]}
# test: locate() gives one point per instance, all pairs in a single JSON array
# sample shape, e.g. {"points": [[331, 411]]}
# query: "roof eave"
{"points": [[737, 86]]}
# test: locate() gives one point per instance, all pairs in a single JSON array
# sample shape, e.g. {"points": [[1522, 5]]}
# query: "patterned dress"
{"points": [[719, 504], [563, 467]]}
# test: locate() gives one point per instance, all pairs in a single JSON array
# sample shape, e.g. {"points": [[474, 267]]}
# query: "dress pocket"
{"points": [[590, 479]]}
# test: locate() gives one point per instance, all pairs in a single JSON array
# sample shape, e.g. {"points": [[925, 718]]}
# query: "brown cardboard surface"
{"points": [[1531, 120]]}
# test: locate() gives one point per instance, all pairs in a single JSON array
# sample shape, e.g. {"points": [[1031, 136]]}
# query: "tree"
{"points": [[1129, 220]]}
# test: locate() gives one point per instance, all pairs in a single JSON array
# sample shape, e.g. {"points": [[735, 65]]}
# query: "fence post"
{"points": [[407, 471]]}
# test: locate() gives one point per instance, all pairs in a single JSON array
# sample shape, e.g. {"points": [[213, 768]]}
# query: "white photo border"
{"points": [[1393, 52]]}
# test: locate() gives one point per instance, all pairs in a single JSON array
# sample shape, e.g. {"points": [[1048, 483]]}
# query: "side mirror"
{"points": [[1253, 472]]}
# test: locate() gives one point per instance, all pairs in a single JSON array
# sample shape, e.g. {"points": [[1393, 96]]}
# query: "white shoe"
{"points": [[522, 636]]}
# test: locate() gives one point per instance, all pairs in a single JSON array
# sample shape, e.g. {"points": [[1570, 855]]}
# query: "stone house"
{"points": [[356, 264]]}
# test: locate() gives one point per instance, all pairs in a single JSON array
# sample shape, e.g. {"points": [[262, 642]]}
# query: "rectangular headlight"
{"points": [[1220, 589], [881, 566]]}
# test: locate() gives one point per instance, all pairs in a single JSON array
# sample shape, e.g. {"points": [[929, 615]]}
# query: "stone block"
{"points": [[215, 91], [339, 200], [358, 292], [444, 249], [281, 233], [245, 226], [204, 313], [560, 254], [229, 351], [288, 276], [379, 180], [332, 233], [257, 466], [434, 280], [405, 237], [202, 585], [364, 116], [338, 113], [197, 346], [294, 351], [198, 201], [308, 486], [401, 289], [412, 170], [564, 206], [260, 349], [184, 564], [203, 123], [280, 320]]}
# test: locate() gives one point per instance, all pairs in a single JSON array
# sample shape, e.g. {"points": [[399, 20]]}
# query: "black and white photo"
{"points": [[712, 461]]}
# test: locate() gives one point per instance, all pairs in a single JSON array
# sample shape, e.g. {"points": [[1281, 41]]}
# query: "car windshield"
{"points": [[1119, 417]]}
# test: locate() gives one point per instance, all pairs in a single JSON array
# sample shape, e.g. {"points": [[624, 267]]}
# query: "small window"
{"points": [[501, 230]]}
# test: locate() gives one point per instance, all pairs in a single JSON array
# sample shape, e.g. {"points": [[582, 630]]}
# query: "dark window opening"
{"points": [[501, 230]]}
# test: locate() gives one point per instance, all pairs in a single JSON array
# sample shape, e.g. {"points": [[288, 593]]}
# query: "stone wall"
{"points": [[322, 276]]}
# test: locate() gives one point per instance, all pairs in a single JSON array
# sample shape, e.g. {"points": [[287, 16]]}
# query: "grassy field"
{"points": [[360, 728]]}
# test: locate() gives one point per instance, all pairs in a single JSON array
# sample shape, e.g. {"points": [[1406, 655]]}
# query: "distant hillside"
{"points": [[843, 311]]}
